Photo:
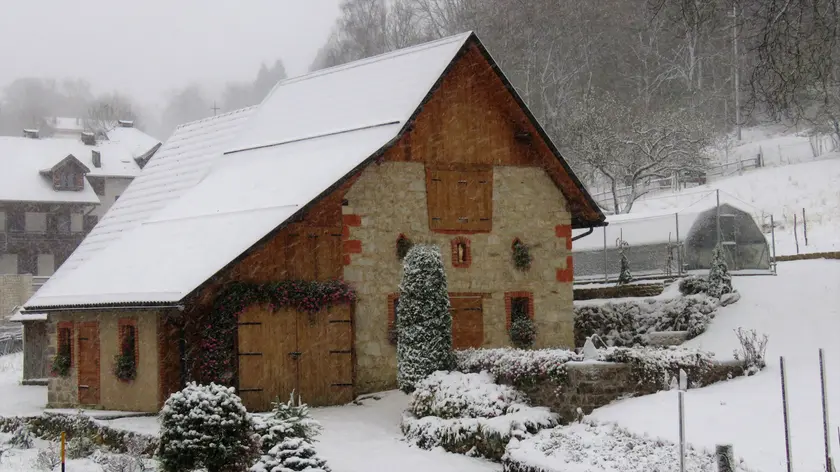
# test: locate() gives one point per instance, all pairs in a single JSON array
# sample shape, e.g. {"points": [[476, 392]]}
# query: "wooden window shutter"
{"points": [[460, 200]]}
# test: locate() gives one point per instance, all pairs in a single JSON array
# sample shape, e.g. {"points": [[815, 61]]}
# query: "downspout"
{"points": [[587, 233]]}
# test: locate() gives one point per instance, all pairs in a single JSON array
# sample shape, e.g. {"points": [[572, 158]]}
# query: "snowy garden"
{"points": [[481, 409]]}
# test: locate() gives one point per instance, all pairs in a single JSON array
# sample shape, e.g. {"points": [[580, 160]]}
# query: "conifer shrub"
{"points": [[206, 426], [424, 322], [720, 281], [291, 455]]}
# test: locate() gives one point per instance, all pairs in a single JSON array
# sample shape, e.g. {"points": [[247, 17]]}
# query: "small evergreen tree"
{"points": [[291, 455], [423, 318], [287, 420], [720, 281], [206, 426], [523, 333], [624, 277]]}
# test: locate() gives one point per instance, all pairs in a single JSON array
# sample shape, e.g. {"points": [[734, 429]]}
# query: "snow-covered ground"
{"points": [[800, 311]]}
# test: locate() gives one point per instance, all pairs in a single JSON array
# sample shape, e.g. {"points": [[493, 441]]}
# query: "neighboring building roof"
{"points": [[178, 166], [306, 137]]}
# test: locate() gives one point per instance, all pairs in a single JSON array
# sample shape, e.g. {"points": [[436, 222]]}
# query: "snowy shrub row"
{"points": [[582, 445], [630, 323], [517, 366], [654, 368], [470, 414]]}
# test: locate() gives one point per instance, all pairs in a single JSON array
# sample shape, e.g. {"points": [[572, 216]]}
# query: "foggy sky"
{"points": [[148, 47]]}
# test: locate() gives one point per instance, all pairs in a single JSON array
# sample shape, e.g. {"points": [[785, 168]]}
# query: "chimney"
{"points": [[96, 157], [31, 133], [89, 138], [126, 123]]}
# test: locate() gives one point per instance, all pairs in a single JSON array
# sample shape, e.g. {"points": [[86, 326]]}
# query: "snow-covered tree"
{"points": [[291, 455], [424, 322], [720, 282], [206, 426], [624, 276], [287, 420]]}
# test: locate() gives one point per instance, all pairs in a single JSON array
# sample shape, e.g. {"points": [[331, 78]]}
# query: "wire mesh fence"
{"points": [[664, 243]]}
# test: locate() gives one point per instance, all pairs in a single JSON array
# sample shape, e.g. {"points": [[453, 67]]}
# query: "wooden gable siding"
{"points": [[473, 121]]}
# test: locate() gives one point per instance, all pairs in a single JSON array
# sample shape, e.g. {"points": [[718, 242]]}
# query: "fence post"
{"points": [[795, 236], [826, 434], [717, 215], [63, 442], [804, 227], [679, 246], [681, 398], [606, 277], [773, 240], [725, 458], [785, 413]]}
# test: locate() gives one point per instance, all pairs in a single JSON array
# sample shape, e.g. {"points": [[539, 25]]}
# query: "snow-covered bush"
{"points": [[423, 318], [291, 455], [458, 395], [80, 447], [517, 366], [206, 426], [592, 446], [720, 282], [21, 438], [48, 458], [629, 323], [653, 368], [693, 285], [470, 414], [624, 276], [753, 348], [287, 420]]}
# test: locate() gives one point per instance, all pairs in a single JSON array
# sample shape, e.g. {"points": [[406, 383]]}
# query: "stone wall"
{"points": [[389, 199], [619, 291], [15, 290], [141, 394], [591, 385]]}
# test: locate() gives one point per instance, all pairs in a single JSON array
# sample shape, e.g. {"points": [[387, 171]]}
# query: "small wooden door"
{"points": [[267, 346], [325, 341], [88, 360], [467, 322]]}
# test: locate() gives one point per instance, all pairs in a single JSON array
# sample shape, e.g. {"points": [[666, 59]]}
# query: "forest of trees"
{"points": [[632, 89]]}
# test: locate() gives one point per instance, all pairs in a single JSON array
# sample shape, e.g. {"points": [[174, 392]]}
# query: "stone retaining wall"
{"points": [[813, 255], [591, 385], [619, 291]]}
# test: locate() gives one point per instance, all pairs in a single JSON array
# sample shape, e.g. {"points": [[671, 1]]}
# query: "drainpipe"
{"points": [[587, 233]]}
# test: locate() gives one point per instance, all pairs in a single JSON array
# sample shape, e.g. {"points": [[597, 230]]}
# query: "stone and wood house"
{"points": [[259, 248]]}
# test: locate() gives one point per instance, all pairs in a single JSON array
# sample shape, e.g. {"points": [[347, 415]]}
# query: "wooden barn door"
{"points": [[88, 358], [467, 322], [267, 368], [289, 351]]}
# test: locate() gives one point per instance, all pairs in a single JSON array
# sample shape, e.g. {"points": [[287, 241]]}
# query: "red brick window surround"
{"points": [[461, 253], [126, 328], [65, 339], [393, 303], [518, 302]]}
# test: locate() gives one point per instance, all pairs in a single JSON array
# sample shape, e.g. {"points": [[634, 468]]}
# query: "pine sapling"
{"points": [[423, 318], [624, 276], [720, 281]]}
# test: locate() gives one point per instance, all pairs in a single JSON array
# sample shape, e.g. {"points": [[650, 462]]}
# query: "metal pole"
{"points": [[681, 396], [679, 246], [606, 277], [773, 237], [62, 450], [826, 434], [785, 413], [804, 227], [717, 214]]}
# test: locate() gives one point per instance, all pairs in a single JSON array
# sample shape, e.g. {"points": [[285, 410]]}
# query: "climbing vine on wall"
{"points": [[125, 363], [218, 329], [521, 255]]}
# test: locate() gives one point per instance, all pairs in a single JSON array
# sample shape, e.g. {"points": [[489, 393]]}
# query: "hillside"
{"points": [[799, 312]]}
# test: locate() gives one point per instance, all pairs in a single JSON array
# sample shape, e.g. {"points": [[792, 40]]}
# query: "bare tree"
{"points": [[106, 111]]}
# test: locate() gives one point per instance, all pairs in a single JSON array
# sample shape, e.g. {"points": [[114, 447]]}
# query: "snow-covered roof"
{"points": [[22, 160], [64, 123], [307, 135], [176, 168], [19, 317]]}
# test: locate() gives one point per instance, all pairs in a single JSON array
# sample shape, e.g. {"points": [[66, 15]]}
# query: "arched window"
{"points": [[461, 253]]}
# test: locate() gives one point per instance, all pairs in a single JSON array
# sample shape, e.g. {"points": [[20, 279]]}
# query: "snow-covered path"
{"points": [[800, 311], [366, 438]]}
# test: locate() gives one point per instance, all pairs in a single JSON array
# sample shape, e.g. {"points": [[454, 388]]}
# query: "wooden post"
{"points": [[804, 227], [773, 238], [785, 414], [795, 236], [606, 277], [725, 458], [679, 246], [826, 434], [63, 437]]}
